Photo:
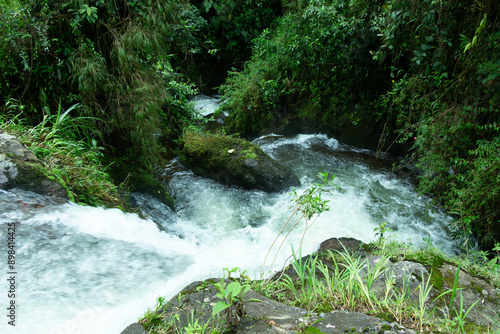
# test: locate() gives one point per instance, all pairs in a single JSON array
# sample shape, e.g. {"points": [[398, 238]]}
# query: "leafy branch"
{"points": [[309, 205]]}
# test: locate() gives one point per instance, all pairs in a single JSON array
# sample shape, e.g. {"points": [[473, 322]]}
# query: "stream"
{"points": [[81, 269]]}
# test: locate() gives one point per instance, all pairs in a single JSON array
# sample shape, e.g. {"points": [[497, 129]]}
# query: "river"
{"points": [[91, 270]]}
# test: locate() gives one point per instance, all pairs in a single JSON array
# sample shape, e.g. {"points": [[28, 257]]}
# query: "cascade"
{"points": [[94, 270]]}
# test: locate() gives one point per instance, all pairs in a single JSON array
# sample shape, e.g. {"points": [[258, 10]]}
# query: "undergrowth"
{"points": [[347, 281], [68, 155]]}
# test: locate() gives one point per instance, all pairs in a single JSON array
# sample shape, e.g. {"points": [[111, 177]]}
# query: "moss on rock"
{"points": [[29, 176], [146, 183], [138, 180], [234, 161]]}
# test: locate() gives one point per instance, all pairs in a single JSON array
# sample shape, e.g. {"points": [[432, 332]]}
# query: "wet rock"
{"points": [[134, 329], [155, 209], [269, 316], [353, 322], [350, 245], [19, 169], [234, 161]]}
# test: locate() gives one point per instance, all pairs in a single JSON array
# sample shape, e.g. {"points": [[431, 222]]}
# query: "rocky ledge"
{"points": [[196, 301], [269, 316], [19, 168]]}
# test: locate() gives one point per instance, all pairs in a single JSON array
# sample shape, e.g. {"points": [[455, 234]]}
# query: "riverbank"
{"points": [[212, 218], [387, 286]]}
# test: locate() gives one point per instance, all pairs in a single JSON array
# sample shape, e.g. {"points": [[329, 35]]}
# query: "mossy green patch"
{"points": [[234, 161], [312, 330], [146, 183], [324, 308], [386, 327], [214, 151], [387, 316], [138, 180], [428, 259]]}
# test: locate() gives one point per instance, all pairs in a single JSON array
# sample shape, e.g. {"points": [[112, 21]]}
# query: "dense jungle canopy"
{"points": [[420, 78]]}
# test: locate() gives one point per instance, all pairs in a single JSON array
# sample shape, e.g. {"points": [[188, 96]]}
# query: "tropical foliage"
{"points": [[422, 75], [111, 57]]}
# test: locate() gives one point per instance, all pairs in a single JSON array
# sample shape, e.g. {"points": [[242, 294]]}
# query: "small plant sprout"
{"points": [[461, 314], [308, 206], [232, 304], [380, 231], [154, 316], [424, 290], [194, 326]]}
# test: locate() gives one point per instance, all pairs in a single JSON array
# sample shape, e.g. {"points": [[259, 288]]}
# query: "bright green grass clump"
{"points": [[68, 155]]}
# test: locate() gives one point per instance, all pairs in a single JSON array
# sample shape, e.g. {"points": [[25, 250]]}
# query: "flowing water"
{"points": [[92, 270]]}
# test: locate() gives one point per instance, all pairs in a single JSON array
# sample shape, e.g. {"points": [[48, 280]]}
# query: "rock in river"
{"points": [[235, 161]]}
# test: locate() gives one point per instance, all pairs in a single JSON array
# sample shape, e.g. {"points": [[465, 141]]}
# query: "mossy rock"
{"points": [[19, 168], [146, 183], [234, 161], [31, 177], [138, 180]]}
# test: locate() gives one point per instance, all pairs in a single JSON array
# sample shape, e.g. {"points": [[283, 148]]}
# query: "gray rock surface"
{"points": [[269, 316], [18, 169], [134, 329]]}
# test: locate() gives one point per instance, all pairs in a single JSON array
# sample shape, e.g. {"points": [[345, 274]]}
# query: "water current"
{"points": [[92, 270]]}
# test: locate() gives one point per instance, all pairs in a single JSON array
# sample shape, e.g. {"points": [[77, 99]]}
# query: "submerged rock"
{"points": [[234, 161], [19, 168]]}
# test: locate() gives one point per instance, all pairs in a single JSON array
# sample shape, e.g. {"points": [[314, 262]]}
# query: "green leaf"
{"points": [[219, 307], [244, 290], [254, 300], [233, 289], [483, 22]]}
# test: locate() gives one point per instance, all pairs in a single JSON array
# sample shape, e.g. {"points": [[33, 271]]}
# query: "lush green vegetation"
{"points": [[68, 156], [89, 85], [330, 281], [98, 55], [224, 37], [421, 76]]}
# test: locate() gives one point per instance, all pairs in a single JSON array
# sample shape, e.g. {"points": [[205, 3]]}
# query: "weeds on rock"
{"points": [[231, 304]]}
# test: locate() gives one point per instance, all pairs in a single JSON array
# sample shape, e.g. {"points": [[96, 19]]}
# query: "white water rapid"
{"points": [[92, 270]]}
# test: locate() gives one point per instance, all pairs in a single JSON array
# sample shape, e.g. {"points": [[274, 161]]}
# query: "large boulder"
{"points": [[196, 301], [19, 168], [234, 161]]}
